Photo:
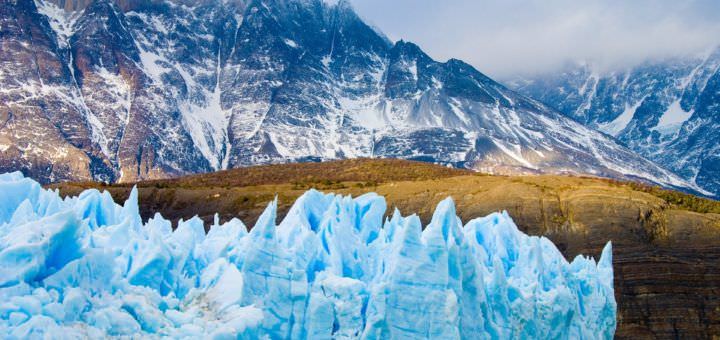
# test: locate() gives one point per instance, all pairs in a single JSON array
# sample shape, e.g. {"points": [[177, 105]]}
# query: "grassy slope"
{"points": [[413, 187], [667, 244]]}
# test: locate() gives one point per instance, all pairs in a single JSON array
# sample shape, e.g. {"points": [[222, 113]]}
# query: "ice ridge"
{"points": [[335, 267]]}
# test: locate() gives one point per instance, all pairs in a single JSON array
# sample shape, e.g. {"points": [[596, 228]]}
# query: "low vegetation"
{"points": [[408, 185]]}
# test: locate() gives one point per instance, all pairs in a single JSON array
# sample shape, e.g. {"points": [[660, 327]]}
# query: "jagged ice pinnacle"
{"points": [[87, 267]]}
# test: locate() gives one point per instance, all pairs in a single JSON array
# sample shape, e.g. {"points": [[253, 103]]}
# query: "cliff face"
{"points": [[666, 256]]}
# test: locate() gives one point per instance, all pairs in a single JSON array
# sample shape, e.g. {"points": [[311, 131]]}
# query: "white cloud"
{"points": [[504, 37]]}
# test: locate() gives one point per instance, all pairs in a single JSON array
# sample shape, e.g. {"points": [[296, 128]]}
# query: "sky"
{"points": [[504, 38]]}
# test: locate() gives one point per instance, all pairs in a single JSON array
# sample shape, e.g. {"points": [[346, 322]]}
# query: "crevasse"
{"points": [[335, 267]]}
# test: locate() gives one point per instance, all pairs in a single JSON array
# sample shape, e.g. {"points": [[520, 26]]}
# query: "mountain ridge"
{"points": [[163, 89]]}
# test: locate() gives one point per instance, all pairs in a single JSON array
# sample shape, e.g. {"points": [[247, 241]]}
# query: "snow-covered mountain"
{"points": [[130, 90], [668, 111]]}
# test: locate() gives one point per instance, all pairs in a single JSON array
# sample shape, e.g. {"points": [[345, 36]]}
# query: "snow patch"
{"points": [[291, 43], [455, 106], [515, 152], [207, 125], [671, 121], [152, 64], [119, 88], [326, 60], [414, 70], [364, 111], [621, 122], [61, 22]]}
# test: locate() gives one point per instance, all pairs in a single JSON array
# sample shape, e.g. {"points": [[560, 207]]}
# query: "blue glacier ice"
{"points": [[335, 267]]}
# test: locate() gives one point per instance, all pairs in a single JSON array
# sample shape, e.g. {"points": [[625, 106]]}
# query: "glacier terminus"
{"points": [[334, 267]]}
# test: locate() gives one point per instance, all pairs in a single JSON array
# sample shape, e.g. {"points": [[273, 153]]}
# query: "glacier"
{"points": [[334, 267]]}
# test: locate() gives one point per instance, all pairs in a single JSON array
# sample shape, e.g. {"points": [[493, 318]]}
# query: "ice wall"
{"points": [[333, 268]]}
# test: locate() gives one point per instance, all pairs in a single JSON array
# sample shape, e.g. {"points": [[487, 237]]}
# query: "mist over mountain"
{"points": [[667, 111], [531, 37]]}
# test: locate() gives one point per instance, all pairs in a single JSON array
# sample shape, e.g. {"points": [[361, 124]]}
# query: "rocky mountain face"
{"points": [[130, 90], [667, 111]]}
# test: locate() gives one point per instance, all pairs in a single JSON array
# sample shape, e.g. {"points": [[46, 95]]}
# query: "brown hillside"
{"points": [[666, 244]]}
